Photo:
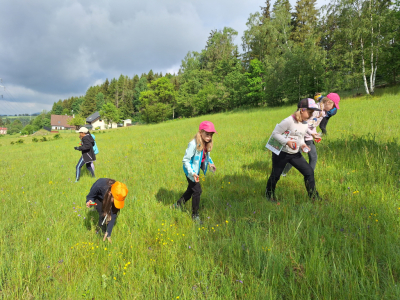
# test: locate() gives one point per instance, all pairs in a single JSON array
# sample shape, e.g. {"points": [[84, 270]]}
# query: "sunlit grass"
{"points": [[345, 247]]}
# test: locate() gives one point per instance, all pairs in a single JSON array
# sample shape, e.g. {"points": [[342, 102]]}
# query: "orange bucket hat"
{"points": [[119, 192]]}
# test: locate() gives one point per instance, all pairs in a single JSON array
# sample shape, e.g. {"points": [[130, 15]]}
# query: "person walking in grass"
{"points": [[108, 196], [86, 148], [325, 105], [197, 157], [297, 127], [334, 100]]}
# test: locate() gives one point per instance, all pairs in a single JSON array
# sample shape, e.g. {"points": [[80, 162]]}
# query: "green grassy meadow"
{"points": [[345, 247]]}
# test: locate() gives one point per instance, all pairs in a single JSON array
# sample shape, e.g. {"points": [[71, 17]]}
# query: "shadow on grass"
{"points": [[168, 197], [92, 218]]}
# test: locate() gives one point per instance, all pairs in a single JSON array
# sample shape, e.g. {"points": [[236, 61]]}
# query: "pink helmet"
{"points": [[207, 126], [335, 98]]}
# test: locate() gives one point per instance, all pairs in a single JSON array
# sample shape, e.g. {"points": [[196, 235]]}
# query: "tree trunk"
{"points": [[372, 77], [363, 67]]}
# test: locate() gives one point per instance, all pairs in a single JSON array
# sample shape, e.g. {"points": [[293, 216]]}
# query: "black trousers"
{"points": [[323, 124], [296, 160], [99, 208], [193, 191]]}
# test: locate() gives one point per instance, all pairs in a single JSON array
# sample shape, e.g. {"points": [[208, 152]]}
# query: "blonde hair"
{"points": [[297, 114], [326, 100], [200, 144]]}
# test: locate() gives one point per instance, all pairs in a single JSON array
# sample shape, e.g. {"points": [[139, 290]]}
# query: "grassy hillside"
{"points": [[345, 247]]}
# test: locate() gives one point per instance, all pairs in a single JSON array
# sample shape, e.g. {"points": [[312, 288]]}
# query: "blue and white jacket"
{"points": [[192, 161]]}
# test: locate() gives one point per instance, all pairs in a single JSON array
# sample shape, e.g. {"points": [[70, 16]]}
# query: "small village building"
{"points": [[3, 130], [127, 122], [96, 123], [59, 122]]}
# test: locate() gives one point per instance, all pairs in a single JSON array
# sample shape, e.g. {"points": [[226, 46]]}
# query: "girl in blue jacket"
{"points": [[197, 157]]}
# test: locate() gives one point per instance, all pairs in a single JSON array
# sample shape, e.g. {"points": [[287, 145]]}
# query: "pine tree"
{"points": [[99, 101], [104, 86], [150, 76], [265, 10], [111, 91], [304, 21], [89, 104], [76, 105], [135, 80]]}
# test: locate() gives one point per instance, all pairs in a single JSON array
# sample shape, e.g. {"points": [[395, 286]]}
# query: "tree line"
{"points": [[287, 54]]}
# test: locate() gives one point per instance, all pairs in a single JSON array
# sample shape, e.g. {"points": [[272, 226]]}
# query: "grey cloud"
{"points": [[57, 48]]}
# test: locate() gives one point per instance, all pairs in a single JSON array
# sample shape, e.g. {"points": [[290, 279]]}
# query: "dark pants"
{"points": [[296, 160], [79, 165], [105, 227], [312, 157], [99, 208], [193, 191], [323, 124]]}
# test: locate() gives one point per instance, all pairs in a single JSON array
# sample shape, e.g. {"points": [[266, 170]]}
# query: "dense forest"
{"points": [[287, 53]]}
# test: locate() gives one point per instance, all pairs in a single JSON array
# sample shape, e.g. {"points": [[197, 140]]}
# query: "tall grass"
{"points": [[344, 247]]}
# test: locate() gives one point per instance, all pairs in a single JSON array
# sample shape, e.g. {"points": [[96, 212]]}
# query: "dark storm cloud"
{"points": [[57, 49]]}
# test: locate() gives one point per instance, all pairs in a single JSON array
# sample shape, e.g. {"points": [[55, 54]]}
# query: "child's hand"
{"points": [[88, 203], [316, 136], [213, 168], [305, 148], [196, 177], [291, 144]]}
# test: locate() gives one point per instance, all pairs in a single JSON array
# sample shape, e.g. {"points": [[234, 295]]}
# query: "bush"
{"points": [[12, 143], [20, 141], [57, 136], [43, 139], [35, 140], [97, 128], [104, 131]]}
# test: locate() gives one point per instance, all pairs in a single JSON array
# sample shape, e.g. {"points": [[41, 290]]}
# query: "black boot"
{"points": [[179, 204]]}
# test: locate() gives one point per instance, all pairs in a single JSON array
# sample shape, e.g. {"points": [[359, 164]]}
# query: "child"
{"points": [[290, 153], [335, 99], [197, 157], [325, 105], [317, 97], [88, 155], [108, 196]]}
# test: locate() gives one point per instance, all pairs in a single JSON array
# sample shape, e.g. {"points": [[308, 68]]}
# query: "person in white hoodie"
{"points": [[297, 125]]}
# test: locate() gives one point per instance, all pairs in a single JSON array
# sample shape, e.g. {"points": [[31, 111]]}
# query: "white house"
{"points": [[126, 122], [96, 122], [3, 130], [60, 122]]}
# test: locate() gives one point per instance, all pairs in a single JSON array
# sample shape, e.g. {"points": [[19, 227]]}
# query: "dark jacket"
{"points": [[331, 113], [96, 194], [87, 149]]}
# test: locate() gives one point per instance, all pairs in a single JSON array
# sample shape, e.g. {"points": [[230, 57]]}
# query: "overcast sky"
{"points": [[56, 49]]}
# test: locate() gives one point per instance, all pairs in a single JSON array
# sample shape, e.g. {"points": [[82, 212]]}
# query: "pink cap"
{"points": [[207, 126], [335, 98]]}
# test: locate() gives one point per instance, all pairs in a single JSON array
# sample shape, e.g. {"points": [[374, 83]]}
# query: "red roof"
{"points": [[57, 120], [3, 128]]}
